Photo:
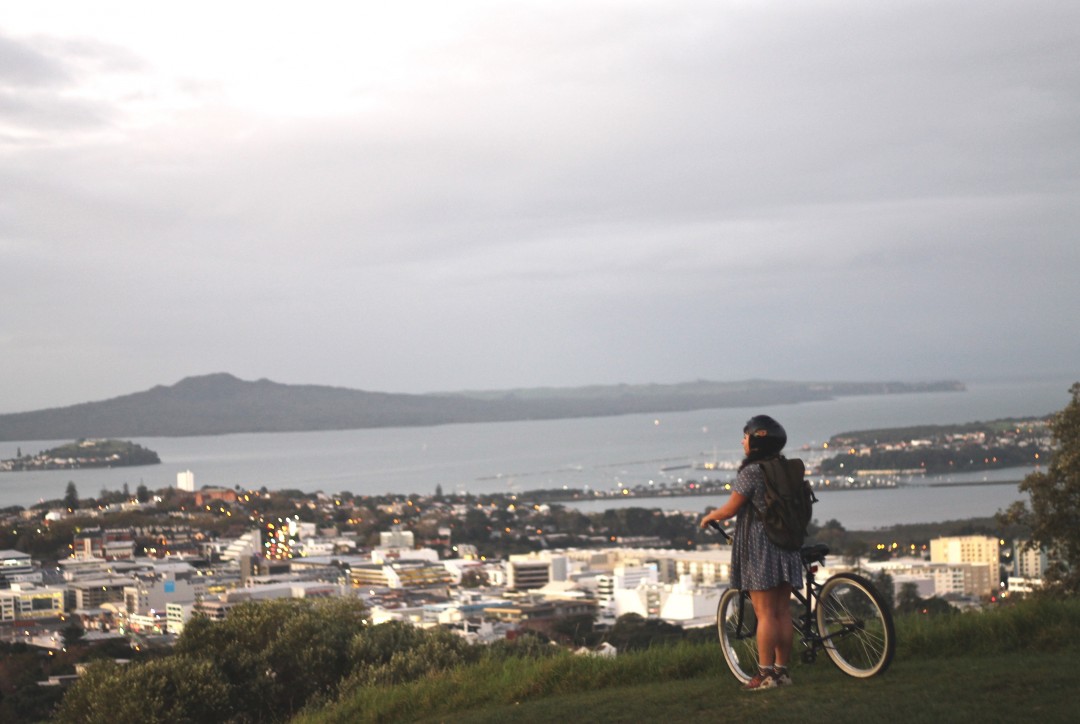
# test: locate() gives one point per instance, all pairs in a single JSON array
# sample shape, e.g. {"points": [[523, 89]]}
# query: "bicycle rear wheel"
{"points": [[855, 626], [737, 626]]}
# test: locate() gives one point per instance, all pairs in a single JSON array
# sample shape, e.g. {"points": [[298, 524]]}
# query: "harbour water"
{"points": [[866, 509], [600, 453]]}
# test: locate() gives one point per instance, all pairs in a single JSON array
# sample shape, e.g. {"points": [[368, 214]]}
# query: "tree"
{"points": [[883, 582], [635, 632], [142, 493], [72, 634], [474, 578], [1054, 513], [276, 656], [575, 629], [908, 600], [396, 652], [173, 689], [71, 497]]}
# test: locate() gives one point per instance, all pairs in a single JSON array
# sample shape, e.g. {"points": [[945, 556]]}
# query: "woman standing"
{"points": [[767, 572]]}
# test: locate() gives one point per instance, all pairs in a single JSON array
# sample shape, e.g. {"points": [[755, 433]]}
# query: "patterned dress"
{"points": [[757, 564]]}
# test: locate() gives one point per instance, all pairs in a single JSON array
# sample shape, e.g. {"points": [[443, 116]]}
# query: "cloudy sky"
{"points": [[430, 196]]}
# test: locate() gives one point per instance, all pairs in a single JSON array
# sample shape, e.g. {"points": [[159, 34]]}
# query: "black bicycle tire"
{"points": [[744, 644], [869, 650]]}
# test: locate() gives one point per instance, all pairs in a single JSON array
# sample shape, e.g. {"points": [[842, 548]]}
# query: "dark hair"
{"points": [[767, 439]]}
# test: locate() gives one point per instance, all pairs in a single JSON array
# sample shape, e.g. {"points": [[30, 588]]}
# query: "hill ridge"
{"points": [[221, 403]]}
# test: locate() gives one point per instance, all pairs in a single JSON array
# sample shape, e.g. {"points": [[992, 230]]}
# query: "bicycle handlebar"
{"points": [[715, 525]]}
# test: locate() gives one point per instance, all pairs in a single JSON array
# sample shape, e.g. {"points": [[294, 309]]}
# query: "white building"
{"points": [[177, 615], [245, 546], [17, 567], [396, 538], [147, 598], [1029, 562], [186, 481], [682, 603], [624, 577], [1019, 584], [528, 571]]}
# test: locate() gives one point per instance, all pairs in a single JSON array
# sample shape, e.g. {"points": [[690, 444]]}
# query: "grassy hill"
{"points": [[316, 662], [1011, 664], [1028, 687]]}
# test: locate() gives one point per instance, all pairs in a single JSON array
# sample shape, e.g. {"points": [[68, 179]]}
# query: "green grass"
{"points": [[1017, 663], [1020, 688]]}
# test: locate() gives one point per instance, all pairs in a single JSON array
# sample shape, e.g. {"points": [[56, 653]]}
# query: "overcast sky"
{"points": [[429, 196]]}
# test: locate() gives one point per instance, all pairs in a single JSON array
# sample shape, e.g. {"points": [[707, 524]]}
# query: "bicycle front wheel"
{"points": [[855, 626], [737, 626]]}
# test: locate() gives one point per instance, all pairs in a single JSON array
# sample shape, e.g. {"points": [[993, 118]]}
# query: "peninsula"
{"points": [[940, 449]]}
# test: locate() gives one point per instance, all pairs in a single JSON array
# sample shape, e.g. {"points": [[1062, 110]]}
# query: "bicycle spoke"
{"points": [[855, 627], [737, 628]]}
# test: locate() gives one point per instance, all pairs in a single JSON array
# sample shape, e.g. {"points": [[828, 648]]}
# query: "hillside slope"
{"points": [[221, 403]]}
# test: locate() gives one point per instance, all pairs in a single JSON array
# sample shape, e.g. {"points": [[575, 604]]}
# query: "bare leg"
{"points": [[774, 631], [785, 631]]}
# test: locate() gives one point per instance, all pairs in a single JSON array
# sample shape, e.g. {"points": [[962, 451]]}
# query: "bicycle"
{"points": [[844, 616]]}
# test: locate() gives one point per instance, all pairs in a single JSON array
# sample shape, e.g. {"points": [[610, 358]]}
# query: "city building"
{"points": [[27, 602], [524, 573], [624, 577], [245, 546], [946, 580], [973, 549], [1029, 568], [17, 567], [177, 615], [109, 544], [396, 538], [208, 496], [540, 615], [151, 598], [530, 571], [414, 574], [86, 595], [1029, 562], [186, 481], [683, 603]]}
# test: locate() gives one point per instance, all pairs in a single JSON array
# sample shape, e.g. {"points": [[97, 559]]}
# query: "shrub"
{"points": [[174, 690]]}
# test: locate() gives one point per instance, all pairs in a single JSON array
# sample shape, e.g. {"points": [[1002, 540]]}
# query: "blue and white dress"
{"points": [[758, 564]]}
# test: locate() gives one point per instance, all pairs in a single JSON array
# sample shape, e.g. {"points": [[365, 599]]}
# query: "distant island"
{"points": [[84, 454], [220, 404], [940, 449]]}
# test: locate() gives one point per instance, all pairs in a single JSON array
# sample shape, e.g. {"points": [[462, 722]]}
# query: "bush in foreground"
{"points": [[273, 660]]}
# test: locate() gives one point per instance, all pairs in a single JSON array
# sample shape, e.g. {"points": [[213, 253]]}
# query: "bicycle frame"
{"points": [[806, 623]]}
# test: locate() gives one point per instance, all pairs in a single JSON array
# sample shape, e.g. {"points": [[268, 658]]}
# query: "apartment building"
{"points": [[973, 549]]}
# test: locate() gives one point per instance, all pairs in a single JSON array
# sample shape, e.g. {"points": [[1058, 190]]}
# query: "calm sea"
{"points": [[596, 453]]}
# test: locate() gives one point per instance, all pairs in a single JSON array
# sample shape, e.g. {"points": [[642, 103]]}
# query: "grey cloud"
{"points": [[37, 112], [38, 75], [22, 65], [826, 191]]}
